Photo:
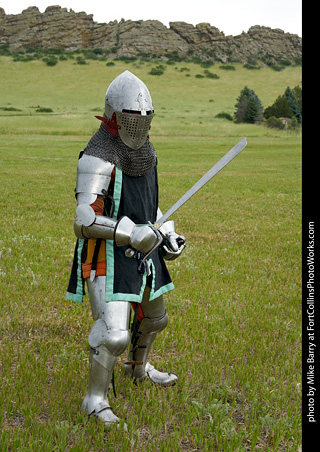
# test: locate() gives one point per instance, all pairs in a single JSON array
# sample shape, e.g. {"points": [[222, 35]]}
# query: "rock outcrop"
{"points": [[62, 28]]}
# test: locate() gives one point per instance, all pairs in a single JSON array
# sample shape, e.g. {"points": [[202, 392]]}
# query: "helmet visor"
{"points": [[134, 128]]}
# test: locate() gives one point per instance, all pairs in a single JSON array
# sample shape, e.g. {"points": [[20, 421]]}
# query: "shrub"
{"points": [[10, 109], [284, 62], [280, 108], [298, 61], [80, 60], [50, 60], [23, 58], [211, 75], [44, 110], [5, 49], [91, 56], [174, 56], [227, 67], [206, 64], [126, 59], [274, 123], [287, 105], [224, 115], [156, 71], [294, 124], [276, 67], [251, 66], [196, 60]]}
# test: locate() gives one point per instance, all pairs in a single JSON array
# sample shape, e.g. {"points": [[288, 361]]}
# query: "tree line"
{"points": [[249, 108]]}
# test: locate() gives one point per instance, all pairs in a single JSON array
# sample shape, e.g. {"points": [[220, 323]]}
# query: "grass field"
{"points": [[234, 333]]}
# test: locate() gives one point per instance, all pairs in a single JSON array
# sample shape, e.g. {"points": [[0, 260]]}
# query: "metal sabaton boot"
{"points": [[101, 365], [136, 364]]}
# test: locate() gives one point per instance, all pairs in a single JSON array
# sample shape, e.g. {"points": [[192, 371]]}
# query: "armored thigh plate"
{"points": [[152, 309], [112, 319]]}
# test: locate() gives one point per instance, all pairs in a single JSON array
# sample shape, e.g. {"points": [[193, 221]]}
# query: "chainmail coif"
{"points": [[112, 149]]}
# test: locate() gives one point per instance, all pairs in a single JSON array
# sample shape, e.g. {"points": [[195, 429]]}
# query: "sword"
{"points": [[204, 179], [230, 155]]}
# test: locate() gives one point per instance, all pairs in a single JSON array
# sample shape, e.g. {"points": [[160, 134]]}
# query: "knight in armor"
{"points": [[117, 204]]}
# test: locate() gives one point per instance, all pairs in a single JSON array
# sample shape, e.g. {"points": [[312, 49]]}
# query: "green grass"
{"points": [[234, 335]]}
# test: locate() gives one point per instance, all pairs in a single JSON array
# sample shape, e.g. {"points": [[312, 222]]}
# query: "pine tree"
{"points": [[241, 104], [279, 109], [297, 90], [288, 105], [248, 107], [294, 105]]}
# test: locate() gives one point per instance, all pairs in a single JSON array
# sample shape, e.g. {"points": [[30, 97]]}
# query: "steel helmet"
{"points": [[129, 102]]}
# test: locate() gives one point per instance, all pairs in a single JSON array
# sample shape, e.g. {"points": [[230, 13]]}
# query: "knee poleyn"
{"points": [[155, 325], [115, 341]]}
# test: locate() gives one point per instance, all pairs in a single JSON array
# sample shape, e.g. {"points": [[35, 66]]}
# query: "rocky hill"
{"points": [[62, 28]]}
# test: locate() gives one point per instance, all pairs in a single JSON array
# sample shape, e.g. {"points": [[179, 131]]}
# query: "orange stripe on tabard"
{"points": [[100, 270], [98, 207], [140, 311]]}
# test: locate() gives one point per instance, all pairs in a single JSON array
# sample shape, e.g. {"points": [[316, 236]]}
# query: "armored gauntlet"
{"points": [[173, 243], [124, 232]]}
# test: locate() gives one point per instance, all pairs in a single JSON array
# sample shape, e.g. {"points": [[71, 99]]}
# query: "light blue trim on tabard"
{"points": [[110, 295], [155, 294], [74, 297], [161, 291], [109, 269], [78, 296], [109, 243]]}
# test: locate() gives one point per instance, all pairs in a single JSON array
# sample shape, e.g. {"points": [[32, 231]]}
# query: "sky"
{"points": [[230, 16]]}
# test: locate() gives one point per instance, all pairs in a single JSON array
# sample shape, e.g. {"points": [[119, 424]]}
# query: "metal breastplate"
{"points": [[112, 149]]}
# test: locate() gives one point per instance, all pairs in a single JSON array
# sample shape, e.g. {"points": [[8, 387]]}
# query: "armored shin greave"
{"points": [[143, 334], [108, 339]]}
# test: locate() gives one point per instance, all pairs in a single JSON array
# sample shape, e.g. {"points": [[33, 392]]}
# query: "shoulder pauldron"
{"points": [[93, 175]]}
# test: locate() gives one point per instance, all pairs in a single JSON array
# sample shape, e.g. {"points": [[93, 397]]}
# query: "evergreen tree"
{"points": [[253, 110], [289, 105], [294, 105], [241, 104], [279, 109], [297, 90], [248, 107]]}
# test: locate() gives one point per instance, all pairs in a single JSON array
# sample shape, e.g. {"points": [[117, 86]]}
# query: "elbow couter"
{"points": [[78, 230]]}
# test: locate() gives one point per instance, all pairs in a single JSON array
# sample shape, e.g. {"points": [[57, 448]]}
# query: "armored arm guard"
{"points": [[93, 179]]}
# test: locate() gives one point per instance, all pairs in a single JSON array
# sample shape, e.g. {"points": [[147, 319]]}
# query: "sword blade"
{"points": [[204, 179]]}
